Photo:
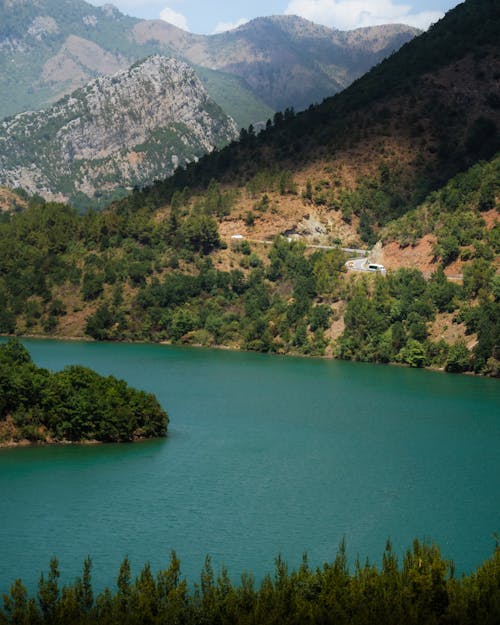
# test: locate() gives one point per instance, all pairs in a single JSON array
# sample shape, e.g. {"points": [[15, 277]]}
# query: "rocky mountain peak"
{"points": [[117, 131], [110, 10], [123, 109]]}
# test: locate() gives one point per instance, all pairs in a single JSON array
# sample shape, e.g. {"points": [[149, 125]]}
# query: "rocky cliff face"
{"points": [[118, 131]]}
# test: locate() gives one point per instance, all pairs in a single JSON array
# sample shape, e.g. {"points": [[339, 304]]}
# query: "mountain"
{"points": [[404, 161], [116, 132], [285, 60], [50, 47], [374, 151]]}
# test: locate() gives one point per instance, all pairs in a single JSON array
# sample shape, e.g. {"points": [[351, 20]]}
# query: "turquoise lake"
{"points": [[265, 455]]}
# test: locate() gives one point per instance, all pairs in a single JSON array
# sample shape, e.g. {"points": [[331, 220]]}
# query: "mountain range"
{"points": [[128, 127], [50, 47], [421, 116], [243, 247]]}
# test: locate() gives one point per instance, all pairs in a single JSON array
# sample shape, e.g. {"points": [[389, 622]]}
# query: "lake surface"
{"points": [[265, 455]]}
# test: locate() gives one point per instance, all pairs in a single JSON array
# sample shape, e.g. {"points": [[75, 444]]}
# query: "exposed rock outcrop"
{"points": [[118, 131]]}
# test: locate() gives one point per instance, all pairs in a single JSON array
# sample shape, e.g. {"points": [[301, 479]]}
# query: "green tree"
{"points": [[319, 317], [477, 277], [413, 354], [459, 358], [328, 269], [48, 593], [200, 233], [92, 285]]}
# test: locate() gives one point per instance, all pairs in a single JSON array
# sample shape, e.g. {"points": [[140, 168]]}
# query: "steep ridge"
{"points": [[285, 60], [117, 132], [242, 249], [375, 150], [50, 47]]}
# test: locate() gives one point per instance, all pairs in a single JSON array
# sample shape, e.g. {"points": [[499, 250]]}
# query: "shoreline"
{"points": [[23, 443], [11, 444], [229, 348]]}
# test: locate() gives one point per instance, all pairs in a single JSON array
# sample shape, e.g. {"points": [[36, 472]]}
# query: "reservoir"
{"points": [[266, 455]]}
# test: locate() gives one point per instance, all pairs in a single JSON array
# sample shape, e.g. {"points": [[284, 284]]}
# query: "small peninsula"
{"points": [[75, 405]]}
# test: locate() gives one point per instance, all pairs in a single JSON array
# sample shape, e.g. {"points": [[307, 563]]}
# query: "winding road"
{"points": [[352, 264]]}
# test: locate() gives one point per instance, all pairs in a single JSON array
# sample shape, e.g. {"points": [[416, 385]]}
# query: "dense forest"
{"points": [[423, 590], [132, 273], [73, 405]]}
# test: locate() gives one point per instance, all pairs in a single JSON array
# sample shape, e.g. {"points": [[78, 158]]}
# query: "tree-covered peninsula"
{"points": [[73, 405], [421, 590]]}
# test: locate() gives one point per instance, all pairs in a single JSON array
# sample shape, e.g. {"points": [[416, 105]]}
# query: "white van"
{"points": [[375, 267]]}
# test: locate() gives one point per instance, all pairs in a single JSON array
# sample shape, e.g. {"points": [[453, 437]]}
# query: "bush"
{"points": [[459, 358]]}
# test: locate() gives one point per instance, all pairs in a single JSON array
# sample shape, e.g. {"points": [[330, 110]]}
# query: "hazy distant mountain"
{"points": [[118, 131], [285, 60], [50, 47]]}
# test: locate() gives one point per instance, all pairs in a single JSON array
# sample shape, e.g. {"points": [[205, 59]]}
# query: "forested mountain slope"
{"points": [[133, 272], [406, 156], [376, 149]]}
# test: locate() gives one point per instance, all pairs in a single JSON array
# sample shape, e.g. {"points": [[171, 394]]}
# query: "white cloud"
{"points": [[348, 14], [222, 27], [172, 17]]}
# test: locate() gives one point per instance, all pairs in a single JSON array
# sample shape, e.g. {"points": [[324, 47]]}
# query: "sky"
{"points": [[212, 16]]}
